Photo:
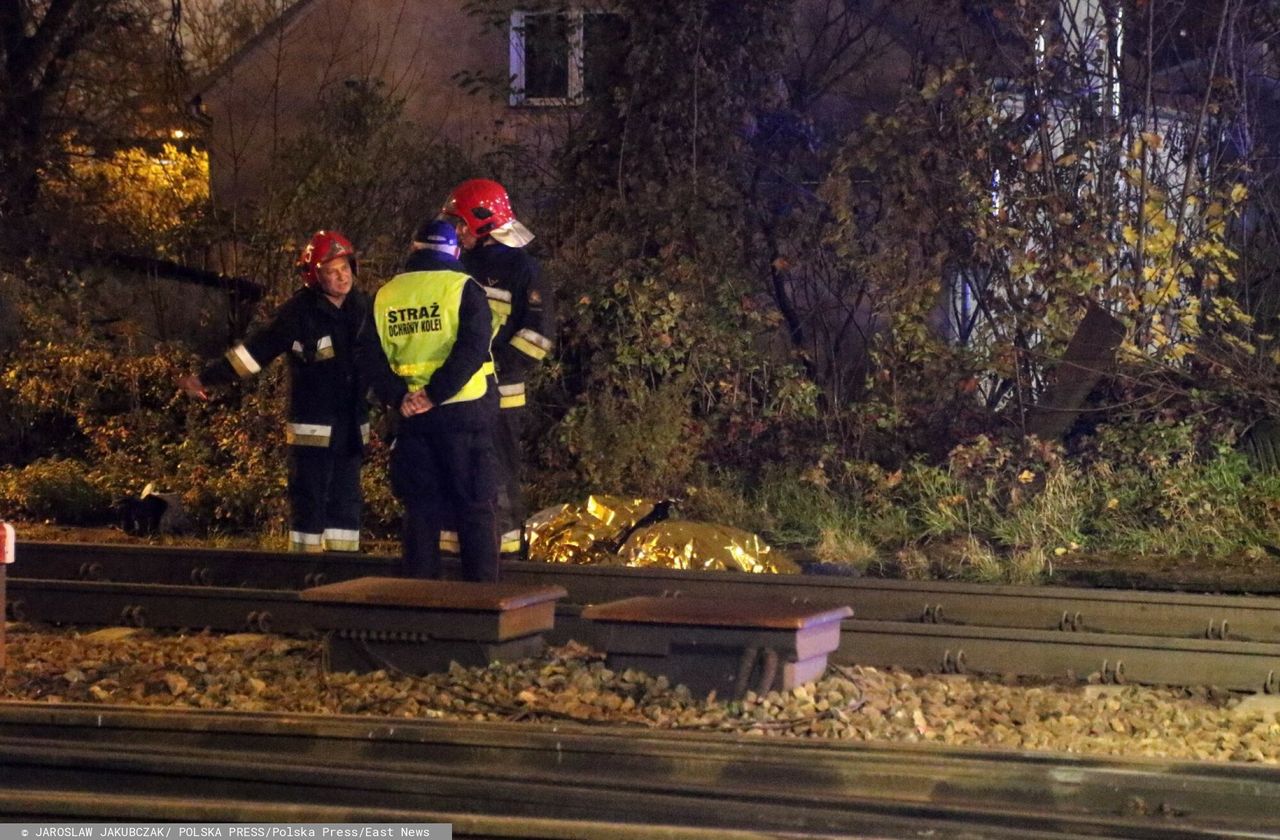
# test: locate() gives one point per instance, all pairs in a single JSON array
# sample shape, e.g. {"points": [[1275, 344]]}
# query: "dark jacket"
{"points": [[526, 336], [327, 347]]}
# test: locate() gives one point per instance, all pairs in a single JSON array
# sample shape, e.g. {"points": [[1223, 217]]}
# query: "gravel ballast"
{"points": [[244, 672]]}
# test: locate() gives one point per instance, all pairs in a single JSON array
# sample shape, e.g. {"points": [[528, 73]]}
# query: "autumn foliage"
{"points": [[830, 330]]}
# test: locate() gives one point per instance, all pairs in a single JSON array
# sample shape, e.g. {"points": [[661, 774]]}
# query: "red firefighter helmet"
{"points": [[325, 245], [485, 209]]}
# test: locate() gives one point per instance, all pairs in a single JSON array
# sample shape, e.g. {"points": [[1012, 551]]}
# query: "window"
{"points": [[559, 58]]}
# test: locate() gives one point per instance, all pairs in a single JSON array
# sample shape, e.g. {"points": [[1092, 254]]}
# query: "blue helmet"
{"points": [[438, 235]]}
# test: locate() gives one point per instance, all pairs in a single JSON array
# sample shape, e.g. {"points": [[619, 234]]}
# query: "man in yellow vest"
{"points": [[434, 325]]}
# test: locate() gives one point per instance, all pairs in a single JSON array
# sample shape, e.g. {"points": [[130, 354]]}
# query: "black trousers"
{"points": [[441, 478], [510, 455], [324, 498]]}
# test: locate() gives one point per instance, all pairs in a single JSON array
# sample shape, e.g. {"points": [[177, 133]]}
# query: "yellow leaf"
{"points": [[176, 683]]}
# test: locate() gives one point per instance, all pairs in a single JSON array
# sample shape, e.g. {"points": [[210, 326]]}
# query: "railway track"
{"points": [[1157, 638], [531, 781]]}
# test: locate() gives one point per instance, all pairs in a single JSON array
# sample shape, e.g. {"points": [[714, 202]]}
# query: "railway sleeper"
{"points": [[729, 647], [421, 626]]}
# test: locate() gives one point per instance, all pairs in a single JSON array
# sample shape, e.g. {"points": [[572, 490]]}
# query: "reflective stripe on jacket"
{"points": [[521, 307], [321, 343]]}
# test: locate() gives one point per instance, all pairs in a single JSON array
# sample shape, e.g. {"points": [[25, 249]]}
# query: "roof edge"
{"points": [[275, 27]]}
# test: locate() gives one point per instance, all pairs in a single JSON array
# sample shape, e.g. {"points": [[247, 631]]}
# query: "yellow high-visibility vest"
{"points": [[417, 318]]}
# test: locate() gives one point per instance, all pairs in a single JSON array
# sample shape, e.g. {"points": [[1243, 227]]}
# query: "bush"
{"points": [[61, 490], [642, 441], [382, 510]]}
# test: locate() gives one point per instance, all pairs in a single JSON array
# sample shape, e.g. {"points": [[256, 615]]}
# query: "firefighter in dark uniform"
{"points": [[434, 324], [322, 328], [523, 323]]}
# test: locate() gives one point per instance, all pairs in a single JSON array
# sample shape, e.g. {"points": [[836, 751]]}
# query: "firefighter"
{"points": [[323, 328], [434, 325], [523, 321]]}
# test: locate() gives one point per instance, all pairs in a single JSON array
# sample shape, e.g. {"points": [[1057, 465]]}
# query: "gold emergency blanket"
{"points": [[617, 531]]}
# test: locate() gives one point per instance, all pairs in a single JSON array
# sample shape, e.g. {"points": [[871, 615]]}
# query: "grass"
{"points": [[1010, 525], [1007, 523]]}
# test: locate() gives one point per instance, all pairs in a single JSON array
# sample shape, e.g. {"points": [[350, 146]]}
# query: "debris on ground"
{"points": [[259, 672]]}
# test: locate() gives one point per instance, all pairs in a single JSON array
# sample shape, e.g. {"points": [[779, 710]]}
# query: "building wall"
{"points": [[417, 46], [413, 46]]}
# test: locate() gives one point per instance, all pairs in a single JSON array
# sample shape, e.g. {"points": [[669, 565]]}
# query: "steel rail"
{"points": [[1114, 658], [1154, 638], [1240, 618], [602, 775]]}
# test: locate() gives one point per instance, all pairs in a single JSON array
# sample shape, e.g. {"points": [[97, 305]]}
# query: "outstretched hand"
{"points": [[415, 402]]}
